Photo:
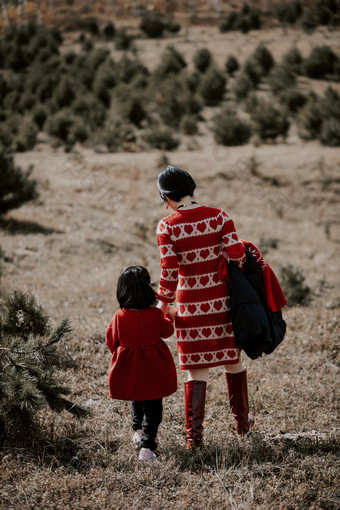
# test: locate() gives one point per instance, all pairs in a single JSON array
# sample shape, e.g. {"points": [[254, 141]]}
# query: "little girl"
{"points": [[142, 369]]}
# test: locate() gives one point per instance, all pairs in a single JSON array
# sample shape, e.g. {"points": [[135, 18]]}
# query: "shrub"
{"points": [[293, 59], [173, 100], [309, 119], [309, 21], [172, 25], [95, 59], [330, 103], [330, 132], [269, 121], [27, 135], [102, 91], [152, 25], [60, 125], [116, 135], [229, 22], [251, 102], [268, 243], [45, 76], [325, 16], [56, 35], [254, 19], [189, 124], [336, 70], [16, 187], [107, 74], [134, 110], [39, 115], [202, 59], [128, 70], [172, 62], [192, 80], [332, 5], [79, 132], [65, 92], [253, 70], [320, 62], [123, 41], [43, 45], [109, 30], [289, 12], [46, 87], [90, 109], [212, 86], [243, 85], [263, 59], [280, 78], [69, 57], [161, 137], [90, 25], [326, 12], [292, 284], [229, 129], [231, 64], [104, 81], [18, 58], [26, 101], [87, 45], [247, 19], [130, 104], [6, 135], [292, 99], [29, 361], [2, 258]]}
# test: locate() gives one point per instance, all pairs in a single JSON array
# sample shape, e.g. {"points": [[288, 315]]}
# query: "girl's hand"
{"points": [[171, 310]]}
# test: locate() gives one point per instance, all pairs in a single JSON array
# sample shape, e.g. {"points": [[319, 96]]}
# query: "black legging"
{"points": [[147, 415]]}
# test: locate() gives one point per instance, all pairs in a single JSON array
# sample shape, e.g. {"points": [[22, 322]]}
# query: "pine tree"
{"points": [[29, 362], [16, 187]]}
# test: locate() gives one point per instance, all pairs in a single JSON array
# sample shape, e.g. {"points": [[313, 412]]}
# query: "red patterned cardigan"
{"points": [[190, 243]]}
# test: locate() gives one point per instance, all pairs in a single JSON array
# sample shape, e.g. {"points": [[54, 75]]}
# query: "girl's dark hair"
{"points": [[134, 288], [175, 183]]}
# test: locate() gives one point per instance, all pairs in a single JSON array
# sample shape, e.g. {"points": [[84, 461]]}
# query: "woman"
{"points": [[191, 240]]}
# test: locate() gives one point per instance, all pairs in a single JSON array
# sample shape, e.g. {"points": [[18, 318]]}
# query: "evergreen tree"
{"points": [[29, 362], [16, 187]]}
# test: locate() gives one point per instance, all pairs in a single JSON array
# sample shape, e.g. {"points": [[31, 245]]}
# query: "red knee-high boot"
{"points": [[238, 398], [194, 392]]}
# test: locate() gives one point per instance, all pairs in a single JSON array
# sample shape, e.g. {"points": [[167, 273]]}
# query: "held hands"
{"points": [[170, 310]]}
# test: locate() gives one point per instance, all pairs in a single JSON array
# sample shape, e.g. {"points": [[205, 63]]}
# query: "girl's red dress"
{"points": [[142, 367], [191, 242]]}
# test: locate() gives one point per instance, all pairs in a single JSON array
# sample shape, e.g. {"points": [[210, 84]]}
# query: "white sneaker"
{"points": [[146, 454], [137, 436]]}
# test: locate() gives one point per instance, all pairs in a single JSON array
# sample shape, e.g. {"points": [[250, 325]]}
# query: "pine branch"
{"points": [[60, 404], [59, 332]]}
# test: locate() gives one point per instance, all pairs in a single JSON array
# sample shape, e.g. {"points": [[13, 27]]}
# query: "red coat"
{"points": [[142, 367]]}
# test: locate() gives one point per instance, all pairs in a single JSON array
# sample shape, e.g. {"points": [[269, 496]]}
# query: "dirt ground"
{"points": [[97, 213]]}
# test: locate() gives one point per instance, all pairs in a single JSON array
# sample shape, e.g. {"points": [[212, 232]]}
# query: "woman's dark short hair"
{"points": [[134, 288], [175, 183]]}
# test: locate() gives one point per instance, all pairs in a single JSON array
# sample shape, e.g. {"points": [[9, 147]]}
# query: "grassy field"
{"points": [[97, 213]]}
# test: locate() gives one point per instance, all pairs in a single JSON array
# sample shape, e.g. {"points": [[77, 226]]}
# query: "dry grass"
{"points": [[98, 213]]}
